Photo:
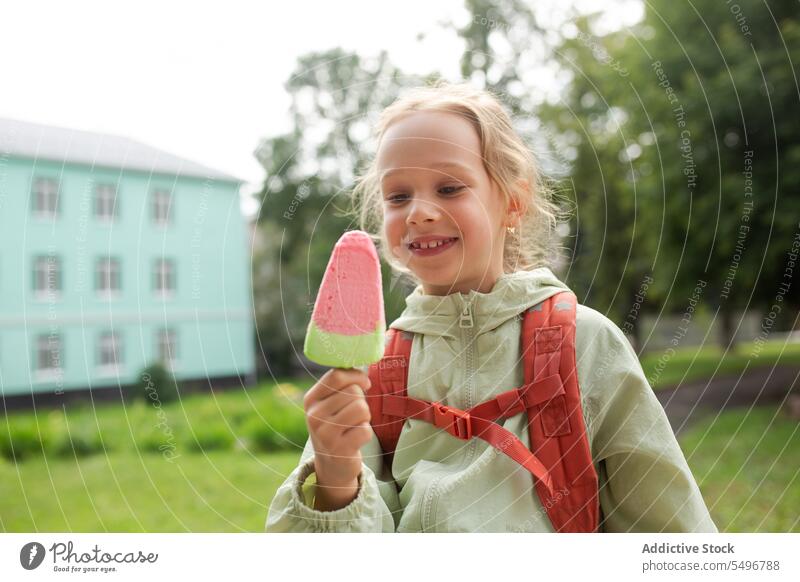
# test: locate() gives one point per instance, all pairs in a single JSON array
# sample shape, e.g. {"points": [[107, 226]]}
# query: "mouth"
{"points": [[426, 249]]}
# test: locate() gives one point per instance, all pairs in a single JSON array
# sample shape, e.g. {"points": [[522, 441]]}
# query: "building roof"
{"points": [[46, 142]]}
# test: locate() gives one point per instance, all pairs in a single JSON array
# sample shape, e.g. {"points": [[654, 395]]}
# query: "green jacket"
{"points": [[439, 483]]}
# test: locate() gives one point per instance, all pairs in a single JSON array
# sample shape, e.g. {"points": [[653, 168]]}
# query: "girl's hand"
{"points": [[338, 418]]}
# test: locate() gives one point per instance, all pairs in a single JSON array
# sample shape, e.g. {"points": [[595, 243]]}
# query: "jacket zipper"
{"points": [[466, 323], [468, 326]]}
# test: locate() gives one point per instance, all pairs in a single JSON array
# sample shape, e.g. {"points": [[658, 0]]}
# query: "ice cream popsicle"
{"points": [[347, 325]]}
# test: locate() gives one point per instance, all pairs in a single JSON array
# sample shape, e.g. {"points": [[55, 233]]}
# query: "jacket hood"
{"points": [[511, 295]]}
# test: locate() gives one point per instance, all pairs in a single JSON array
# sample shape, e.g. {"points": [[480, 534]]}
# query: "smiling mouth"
{"points": [[431, 244]]}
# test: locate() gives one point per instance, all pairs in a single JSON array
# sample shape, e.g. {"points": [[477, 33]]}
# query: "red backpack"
{"points": [[559, 457]]}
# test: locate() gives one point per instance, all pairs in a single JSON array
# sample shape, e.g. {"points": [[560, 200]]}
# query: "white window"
{"points": [[48, 353], [164, 276], [47, 275], [162, 207], [107, 278], [108, 350], [45, 197], [166, 346], [105, 202]]}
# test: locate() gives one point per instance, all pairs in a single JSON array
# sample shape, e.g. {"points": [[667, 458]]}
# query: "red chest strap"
{"points": [[465, 424]]}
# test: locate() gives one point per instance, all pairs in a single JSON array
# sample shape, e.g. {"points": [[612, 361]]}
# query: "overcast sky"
{"points": [[202, 80]]}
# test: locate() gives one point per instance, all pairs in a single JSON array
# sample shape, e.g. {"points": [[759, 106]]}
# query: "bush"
{"points": [[157, 384], [75, 439], [263, 418], [22, 438], [284, 428], [209, 437], [154, 438], [260, 435], [77, 442]]}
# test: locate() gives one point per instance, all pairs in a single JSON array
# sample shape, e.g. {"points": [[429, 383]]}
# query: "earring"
{"points": [[511, 229]]}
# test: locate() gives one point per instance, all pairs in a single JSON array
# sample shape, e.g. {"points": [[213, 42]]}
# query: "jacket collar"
{"points": [[511, 295]]}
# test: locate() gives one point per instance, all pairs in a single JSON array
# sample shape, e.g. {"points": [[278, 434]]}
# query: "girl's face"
{"points": [[435, 188]]}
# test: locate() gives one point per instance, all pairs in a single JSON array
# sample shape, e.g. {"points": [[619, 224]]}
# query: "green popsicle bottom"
{"points": [[344, 351]]}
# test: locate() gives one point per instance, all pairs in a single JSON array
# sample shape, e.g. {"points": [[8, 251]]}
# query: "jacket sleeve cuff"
{"points": [[363, 514]]}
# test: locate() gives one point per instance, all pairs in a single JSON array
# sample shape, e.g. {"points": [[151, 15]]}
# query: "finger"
{"points": [[335, 380], [360, 434], [344, 443], [355, 413], [348, 376], [351, 414], [330, 406], [329, 435]]}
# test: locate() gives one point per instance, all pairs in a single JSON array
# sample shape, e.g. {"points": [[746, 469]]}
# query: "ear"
{"points": [[517, 205]]}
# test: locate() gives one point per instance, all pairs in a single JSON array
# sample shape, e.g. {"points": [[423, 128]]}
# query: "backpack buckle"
{"points": [[456, 422]]}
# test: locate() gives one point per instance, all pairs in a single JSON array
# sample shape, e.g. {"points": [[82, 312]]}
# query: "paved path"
{"points": [[695, 400]]}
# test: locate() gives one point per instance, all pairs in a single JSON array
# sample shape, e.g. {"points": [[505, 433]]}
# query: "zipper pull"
{"points": [[466, 316]]}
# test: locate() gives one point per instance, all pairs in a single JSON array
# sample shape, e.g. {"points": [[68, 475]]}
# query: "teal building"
{"points": [[115, 255]]}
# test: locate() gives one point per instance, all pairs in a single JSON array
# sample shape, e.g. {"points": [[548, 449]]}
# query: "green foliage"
{"points": [[22, 438], [71, 440], [157, 384], [152, 438], [267, 418], [216, 436], [285, 429], [659, 121]]}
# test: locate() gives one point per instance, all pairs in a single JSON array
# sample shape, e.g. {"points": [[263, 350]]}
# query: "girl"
{"points": [[458, 207]]}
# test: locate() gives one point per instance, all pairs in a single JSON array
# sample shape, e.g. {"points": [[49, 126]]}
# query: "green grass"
{"points": [[126, 492], [209, 462], [665, 369], [233, 449], [748, 468]]}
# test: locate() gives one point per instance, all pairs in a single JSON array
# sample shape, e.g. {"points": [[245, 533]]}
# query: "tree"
{"points": [[728, 150], [710, 160], [613, 254]]}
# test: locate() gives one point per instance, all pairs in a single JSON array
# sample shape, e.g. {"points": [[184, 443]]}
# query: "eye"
{"points": [[451, 189], [397, 197]]}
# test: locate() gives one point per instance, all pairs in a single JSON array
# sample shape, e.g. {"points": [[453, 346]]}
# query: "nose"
{"points": [[422, 211]]}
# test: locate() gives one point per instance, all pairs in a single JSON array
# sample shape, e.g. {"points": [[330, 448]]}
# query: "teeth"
{"points": [[430, 245]]}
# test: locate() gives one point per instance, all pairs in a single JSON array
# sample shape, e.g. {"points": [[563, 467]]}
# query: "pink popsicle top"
{"points": [[350, 301]]}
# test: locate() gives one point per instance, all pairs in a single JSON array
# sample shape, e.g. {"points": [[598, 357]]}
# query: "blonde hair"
{"points": [[507, 159]]}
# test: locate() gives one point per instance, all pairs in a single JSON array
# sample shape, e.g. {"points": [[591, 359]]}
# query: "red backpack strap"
{"points": [[556, 428], [390, 406], [389, 376]]}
